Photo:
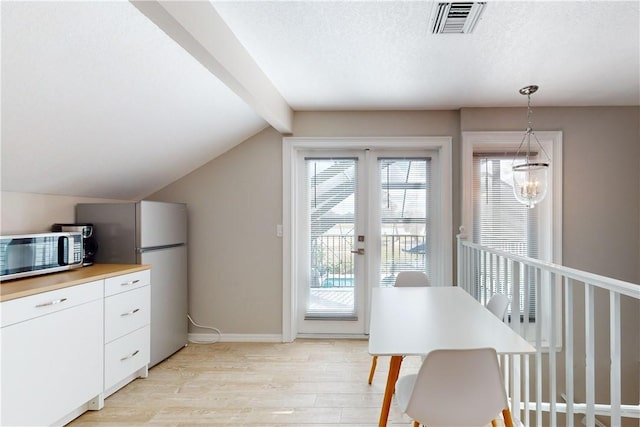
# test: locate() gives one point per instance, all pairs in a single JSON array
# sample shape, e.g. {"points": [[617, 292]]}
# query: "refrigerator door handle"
{"points": [[156, 248]]}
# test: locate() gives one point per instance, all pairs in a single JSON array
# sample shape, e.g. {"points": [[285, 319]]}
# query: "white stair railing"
{"points": [[546, 305]]}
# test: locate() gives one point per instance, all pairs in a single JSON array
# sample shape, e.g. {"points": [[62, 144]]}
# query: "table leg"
{"points": [[394, 372]]}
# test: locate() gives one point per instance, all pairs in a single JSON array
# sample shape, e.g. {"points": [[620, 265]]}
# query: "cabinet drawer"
{"points": [[126, 312], [21, 309], [126, 282], [125, 355]]}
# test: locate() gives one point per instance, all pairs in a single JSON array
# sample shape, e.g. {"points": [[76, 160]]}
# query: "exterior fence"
{"points": [[585, 367], [332, 256]]}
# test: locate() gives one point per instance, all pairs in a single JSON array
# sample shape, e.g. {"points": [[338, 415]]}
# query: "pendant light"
{"points": [[530, 174]]}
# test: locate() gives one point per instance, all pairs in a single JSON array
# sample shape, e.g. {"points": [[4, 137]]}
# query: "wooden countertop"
{"points": [[48, 282]]}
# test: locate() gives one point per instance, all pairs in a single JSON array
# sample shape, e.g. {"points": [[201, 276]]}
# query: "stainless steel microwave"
{"points": [[26, 255]]}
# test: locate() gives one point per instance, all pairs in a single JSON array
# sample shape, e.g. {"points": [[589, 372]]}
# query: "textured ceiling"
{"points": [[381, 55], [118, 99], [98, 101]]}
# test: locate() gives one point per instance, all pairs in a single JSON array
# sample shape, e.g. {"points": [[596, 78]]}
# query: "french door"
{"points": [[362, 216]]}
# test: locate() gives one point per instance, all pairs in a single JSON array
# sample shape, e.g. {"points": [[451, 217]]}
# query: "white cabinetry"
{"points": [[126, 329], [65, 350], [52, 354]]}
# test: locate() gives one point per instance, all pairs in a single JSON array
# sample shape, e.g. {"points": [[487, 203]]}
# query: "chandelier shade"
{"points": [[530, 173], [530, 182]]}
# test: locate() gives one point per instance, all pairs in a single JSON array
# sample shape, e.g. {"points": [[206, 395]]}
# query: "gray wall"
{"points": [[235, 259], [35, 213], [601, 220], [235, 203], [601, 180]]}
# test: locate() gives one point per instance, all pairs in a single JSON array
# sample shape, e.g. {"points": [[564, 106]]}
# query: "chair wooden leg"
{"points": [[506, 414], [374, 362], [416, 424], [494, 423]]}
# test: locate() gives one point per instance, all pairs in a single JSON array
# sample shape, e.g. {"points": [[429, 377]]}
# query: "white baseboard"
{"points": [[212, 338], [334, 336]]}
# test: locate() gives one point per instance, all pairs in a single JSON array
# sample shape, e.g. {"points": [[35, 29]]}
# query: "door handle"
{"points": [[358, 252]]}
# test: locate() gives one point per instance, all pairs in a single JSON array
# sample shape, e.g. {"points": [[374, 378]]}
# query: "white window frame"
{"points": [[442, 268], [550, 214]]}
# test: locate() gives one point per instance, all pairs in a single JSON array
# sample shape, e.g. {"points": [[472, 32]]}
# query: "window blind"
{"points": [[499, 220], [405, 188], [331, 185]]}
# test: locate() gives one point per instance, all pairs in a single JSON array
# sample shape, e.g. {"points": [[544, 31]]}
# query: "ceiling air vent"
{"points": [[456, 17]]}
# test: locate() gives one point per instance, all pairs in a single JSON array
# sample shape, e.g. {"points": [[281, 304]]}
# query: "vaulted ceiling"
{"points": [[118, 99]]}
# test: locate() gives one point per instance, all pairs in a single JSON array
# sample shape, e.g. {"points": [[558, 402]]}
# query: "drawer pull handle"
{"points": [[57, 301], [129, 313], [132, 282], [130, 356]]}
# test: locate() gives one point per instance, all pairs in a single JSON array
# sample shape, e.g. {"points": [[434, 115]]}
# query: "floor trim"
{"points": [[213, 338]]}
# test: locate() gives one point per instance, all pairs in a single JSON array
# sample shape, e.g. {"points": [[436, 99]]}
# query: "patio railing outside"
{"points": [[557, 307], [334, 260]]}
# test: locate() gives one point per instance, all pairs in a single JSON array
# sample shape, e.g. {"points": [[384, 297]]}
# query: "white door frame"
{"points": [[442, 238]]}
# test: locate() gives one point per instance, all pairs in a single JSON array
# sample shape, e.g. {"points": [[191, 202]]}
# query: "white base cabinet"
{"points": [[127, 316], [51, 363], [64, 351]]}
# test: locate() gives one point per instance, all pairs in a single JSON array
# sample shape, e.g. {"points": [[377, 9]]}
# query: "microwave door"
{"points": [[17, 255]]}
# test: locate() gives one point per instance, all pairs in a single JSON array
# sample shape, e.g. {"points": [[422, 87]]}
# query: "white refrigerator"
{"points": [[153, 233]]}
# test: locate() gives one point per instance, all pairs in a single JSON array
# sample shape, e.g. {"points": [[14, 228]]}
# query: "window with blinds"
{"points": [[405, 188], [500, 221]]}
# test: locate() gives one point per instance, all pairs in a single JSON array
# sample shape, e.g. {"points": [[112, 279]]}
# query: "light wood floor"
{"points": [[306, 383]]}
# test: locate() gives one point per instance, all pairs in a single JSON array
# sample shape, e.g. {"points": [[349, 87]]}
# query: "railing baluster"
{"points": [[470, 271], [515, 325], [515, 385], [493, 274], [526, 397], [459, 250], [515, 299], [526, 302], [614, 327], [471, 256], [538, 350], [568, 353], [478, 274], [489, 271], [553, 383], [590, 344], [485, 276]]}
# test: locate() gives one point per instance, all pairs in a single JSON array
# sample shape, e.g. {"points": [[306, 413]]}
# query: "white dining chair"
{"points": [[403, 279], [411, 278], [498, 304], [455, 388]]}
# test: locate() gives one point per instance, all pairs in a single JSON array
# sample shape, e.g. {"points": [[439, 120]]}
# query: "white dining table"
{"points": [[416, 320]]}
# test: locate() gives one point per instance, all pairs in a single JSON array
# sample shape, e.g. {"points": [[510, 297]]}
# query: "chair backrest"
{"points": [[498, 305], [411, 278], [457, 388]]}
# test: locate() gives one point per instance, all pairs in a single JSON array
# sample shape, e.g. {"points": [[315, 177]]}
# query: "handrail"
{"points": [[483, 270], [608, 283]]}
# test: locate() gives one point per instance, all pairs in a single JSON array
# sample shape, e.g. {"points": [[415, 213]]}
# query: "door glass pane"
{"points": [[331, 195], [404, 195]]}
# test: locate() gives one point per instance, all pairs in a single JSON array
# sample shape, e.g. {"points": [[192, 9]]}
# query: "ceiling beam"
{"points": [[199, 29]]}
